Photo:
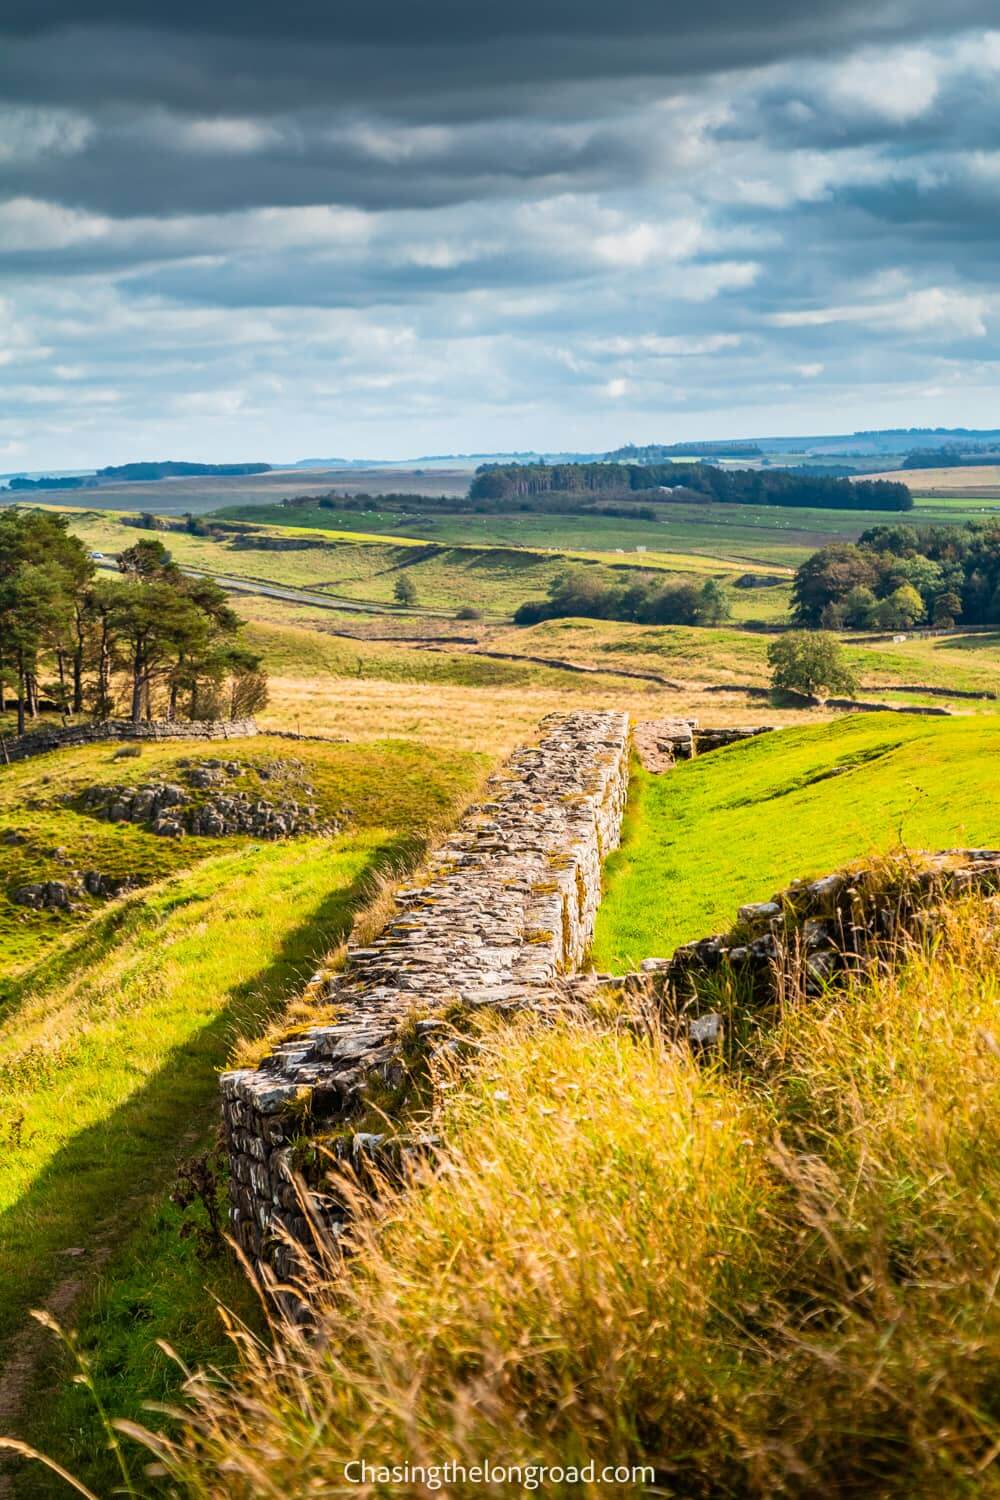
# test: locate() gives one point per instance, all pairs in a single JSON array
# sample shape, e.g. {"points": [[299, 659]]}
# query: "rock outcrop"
{"points": [[171, 811]]}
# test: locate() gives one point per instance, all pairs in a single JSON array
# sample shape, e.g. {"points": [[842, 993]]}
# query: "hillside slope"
{"points": [[736, 825]]}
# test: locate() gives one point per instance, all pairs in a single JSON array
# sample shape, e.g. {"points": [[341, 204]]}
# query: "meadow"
{"points": [[761, 536], [738, 824], [364, 568], [723, 655], [115, 1019]]}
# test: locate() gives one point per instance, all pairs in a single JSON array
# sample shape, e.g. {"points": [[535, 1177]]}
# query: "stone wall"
{"points": [[506, 906], [660, 743], [810, 935], [38, 741]]}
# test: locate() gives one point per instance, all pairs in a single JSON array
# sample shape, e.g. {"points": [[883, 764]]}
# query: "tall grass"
{"points": [[777, 1280]]}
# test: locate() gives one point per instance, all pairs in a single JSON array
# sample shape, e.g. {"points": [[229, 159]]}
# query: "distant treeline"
{"points": [[952, 458], [550, 504], [899, 576], [49, 483], [725, 486], [177, 470], [643, 598], [652, 452]]}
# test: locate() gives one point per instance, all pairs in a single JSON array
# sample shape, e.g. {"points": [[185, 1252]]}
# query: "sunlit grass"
{"points": [[778, 1280], [738, 824]]}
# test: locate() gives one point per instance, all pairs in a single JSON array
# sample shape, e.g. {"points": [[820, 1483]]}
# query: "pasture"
{"points": [[740, 823], [364, 568]]}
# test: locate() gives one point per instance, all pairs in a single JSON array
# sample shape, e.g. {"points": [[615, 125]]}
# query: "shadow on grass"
{"points": [[971, 643], [94, 1187]]}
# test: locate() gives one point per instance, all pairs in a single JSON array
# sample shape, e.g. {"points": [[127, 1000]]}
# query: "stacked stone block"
{"points": [[38, 741], [505, 908]]}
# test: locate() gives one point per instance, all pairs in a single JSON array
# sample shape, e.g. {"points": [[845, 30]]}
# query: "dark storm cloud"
{"points": [[308, 161], [437, 55], [435, 21]]}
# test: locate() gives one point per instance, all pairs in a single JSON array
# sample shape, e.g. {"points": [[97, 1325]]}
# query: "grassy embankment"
{"points": [[774, 1278], [109, 1045], [737, 825], [40, 805]]}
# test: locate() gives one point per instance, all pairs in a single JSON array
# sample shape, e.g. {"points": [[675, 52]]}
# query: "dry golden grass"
{"points": [[963, 479], [493, 720], [775, 1280]]}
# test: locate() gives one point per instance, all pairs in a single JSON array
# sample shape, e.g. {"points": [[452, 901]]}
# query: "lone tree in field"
{"points": [[405, 590], [810, 662]]}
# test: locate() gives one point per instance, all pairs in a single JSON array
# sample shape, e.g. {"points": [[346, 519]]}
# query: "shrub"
{"points": [[404, 590], [810, 662]]}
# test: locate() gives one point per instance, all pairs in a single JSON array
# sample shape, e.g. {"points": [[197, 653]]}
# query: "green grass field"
{"points": [[738, 824], [115, 1021], [969, 663], [364, 567], [753, 535]]}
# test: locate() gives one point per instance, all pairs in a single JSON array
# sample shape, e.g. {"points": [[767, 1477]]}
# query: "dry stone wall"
{"points": [[660, 743], [811, 935], [39, 741], [506, 907]]}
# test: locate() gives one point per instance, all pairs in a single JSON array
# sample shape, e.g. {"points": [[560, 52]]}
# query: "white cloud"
{"points": [[668, 346], [227, 136], [898, 85], [28, 135], [934, 311]]}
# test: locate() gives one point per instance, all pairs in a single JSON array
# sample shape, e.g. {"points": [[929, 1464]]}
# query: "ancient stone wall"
{"points": [[506, 906], [38, 741], [660, 743], [811, 935]]}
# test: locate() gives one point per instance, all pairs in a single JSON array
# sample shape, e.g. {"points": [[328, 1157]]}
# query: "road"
{"points": [[292, 595]]}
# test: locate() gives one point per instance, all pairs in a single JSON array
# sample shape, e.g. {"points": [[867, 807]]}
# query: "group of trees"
{"points": [[174, 469], [696, 480], [152, 638], [644, 599], [896, 577]]}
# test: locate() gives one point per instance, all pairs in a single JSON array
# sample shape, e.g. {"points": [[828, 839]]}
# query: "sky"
{"points": [[248, 231]]}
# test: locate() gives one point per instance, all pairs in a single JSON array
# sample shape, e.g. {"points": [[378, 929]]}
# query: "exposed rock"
{"points": [[49, 895], [96, 884], [170, 811], [168, 828]]}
